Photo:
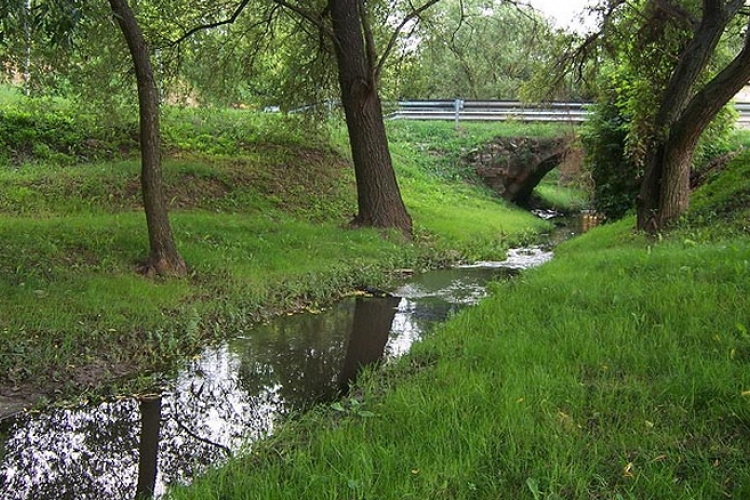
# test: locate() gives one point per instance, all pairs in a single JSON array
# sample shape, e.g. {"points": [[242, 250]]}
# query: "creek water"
{"points": [[231, 394]]}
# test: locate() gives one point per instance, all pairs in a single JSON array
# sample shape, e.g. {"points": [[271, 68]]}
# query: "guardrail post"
{"points": [[458, 105]]}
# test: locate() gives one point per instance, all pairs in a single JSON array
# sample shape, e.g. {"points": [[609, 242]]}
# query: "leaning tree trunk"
{"points": [[665, 188], [378, 195], [164, 259]]}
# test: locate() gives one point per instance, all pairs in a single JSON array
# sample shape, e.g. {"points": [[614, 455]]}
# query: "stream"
{"points": [[233, 393]]}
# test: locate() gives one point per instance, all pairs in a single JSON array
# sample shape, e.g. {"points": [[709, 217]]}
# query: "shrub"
{"points": [[615, 177]]}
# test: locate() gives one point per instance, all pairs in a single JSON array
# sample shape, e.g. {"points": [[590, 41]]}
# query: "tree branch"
{"points": [[394, 37], [692, 61], [193, 435], [461, 20], [677, 12], [573, 60], [308, 16], [706, 103], [734, 6], [207, 26], [369, 42]]}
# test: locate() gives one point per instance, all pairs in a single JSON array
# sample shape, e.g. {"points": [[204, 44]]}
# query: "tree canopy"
{"points": [[475, 50]]}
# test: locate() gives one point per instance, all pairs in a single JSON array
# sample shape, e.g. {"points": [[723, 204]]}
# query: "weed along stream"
{"points": [[230, 394]]}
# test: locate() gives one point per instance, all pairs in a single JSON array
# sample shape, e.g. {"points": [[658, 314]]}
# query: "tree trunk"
{"points": [[164, 259], [665, 196], [378, 195]]}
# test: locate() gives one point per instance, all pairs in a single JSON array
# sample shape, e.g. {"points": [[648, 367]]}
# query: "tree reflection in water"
{"points": [[148, 448], [369, 335]]}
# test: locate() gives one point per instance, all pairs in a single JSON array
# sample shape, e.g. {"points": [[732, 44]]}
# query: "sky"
{"points": [[566, 13]]}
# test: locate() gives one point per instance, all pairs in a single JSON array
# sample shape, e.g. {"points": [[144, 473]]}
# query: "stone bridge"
{"points": [[513, 167]]}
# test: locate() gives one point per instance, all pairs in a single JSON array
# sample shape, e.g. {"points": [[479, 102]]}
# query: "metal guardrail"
{"points": [[743, 108], [461, 110]]}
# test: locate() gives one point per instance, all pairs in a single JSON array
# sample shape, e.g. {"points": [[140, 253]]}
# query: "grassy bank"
{"points": [[619, 370], [259, 208]]}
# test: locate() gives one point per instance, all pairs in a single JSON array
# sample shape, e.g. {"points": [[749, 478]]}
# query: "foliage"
{"points": [[56, 19], [33, 36], [52, 130], [615, 176], [58, 131], [268, 57], [474, 50]]}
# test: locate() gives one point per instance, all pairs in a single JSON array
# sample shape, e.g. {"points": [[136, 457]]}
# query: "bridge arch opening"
{"points": [[514, 166]]}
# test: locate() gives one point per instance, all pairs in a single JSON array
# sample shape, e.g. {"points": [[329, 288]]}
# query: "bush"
{"points": [[47, 130], [616, 178]]}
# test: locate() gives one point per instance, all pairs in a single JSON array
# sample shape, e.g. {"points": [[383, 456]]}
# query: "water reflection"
{"points": [[369, 335], [230, 394], [148, 447], [71, 454]]}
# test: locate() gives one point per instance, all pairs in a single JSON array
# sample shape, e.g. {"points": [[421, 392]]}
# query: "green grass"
{"points": [[722, 207], [562, 197], [432, 199], [444, 135], [620, 370], [71, 296], [260, 216]]}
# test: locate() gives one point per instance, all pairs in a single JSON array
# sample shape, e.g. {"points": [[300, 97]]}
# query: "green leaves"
{"points": [[56, 20], [469, 50], [352, 407]]}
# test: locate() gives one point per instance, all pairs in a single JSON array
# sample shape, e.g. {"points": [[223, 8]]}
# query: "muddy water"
{"points": [[231, 394]]}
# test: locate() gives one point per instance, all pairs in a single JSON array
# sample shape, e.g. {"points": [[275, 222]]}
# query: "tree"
{"points": [[352, 29], [670, 67], [687, 106], [55, 23], [476, 50], [378, 197], [163, 259]]}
